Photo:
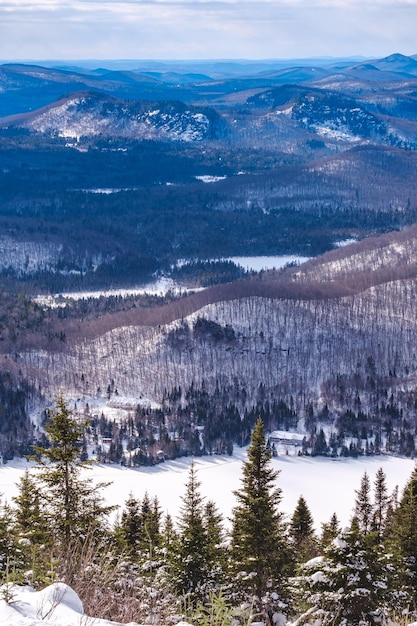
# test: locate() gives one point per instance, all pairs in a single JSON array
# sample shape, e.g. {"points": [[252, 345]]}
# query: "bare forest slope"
{"points": [[295, 333]]}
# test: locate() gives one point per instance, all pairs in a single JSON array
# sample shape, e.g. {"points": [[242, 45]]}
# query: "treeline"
{"points": [[17, 433], [147, 567], [280, 212], [197, 422]]}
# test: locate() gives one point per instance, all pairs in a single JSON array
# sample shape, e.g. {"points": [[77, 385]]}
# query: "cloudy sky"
{"points": [[205, 29]]}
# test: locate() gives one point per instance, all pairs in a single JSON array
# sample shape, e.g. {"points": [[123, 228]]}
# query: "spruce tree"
{"points": [[329, 531], [31, 529], [73, 503], [151, 517], [363, 505], [129, 529], [301, 530], [352, 584], [259, 550], [403, 536], [216, 551], [189, 563], [12, 558], [381, 503]]}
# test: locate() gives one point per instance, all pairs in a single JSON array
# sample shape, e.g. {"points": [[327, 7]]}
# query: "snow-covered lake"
{"points": [[164, 284], [259, 263], [328, 485]]}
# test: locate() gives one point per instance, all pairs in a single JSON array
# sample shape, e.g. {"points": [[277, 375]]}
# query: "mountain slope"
{"points": [[88, 114], [296, 333]]}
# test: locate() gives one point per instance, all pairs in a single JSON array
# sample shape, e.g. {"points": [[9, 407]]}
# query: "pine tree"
{"points": [[12, 559], [352, 584], [259, 550], [216, 551], [301, 530], [151, 517], [31, 529], [129, 530], [329, 531]]}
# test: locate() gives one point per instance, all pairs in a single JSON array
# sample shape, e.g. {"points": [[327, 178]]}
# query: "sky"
{"points": [[205, 29]]}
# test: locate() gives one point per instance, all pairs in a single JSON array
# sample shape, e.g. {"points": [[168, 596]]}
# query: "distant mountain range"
{"points": [[373, 100]]}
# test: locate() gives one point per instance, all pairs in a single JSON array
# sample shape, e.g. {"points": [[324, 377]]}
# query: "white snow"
{"points": [[158, 287], [210, 179], [328, 485], [56, 605], [259, 263]]}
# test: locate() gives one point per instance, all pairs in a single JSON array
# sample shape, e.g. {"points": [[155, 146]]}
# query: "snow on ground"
{"points": [[159, 287], [164, 284], [259, 263], [56, 605], [328, 485]]}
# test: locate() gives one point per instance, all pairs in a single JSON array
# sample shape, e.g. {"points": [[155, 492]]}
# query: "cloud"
{"points": [[205, 28]]}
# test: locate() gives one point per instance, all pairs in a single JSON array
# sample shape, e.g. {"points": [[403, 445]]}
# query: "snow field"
{"points": [[328, 485]]}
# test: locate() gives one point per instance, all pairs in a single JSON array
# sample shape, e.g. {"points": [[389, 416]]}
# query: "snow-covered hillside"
{"points": [[292, 346], [88, 114]]}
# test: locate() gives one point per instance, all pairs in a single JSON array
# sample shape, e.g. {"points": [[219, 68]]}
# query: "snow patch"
{"points": [[210, 179]]}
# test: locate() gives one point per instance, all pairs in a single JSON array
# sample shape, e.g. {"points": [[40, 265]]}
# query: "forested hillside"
{"points": [[116, 179], [325, 349]]}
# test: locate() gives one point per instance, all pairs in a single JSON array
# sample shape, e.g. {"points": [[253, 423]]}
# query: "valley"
{"points": [[114, 181]]}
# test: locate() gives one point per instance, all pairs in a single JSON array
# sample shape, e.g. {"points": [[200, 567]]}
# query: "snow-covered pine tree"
{"points": [[352, 584], [259, 551]]}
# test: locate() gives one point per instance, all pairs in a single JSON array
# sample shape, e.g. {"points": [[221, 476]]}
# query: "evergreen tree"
{"points": [[12, 559], [216, 551], [353, 584], [403, 536], [129, 530], [190, 559], [73, 503], [363, 505], [329, 531], [259, 549], [320, 447], [31, 529], [381, 503], [151, 518], [301, 530]]}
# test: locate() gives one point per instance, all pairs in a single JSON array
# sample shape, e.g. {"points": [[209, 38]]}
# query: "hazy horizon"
{"points": [[205, 29]]}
